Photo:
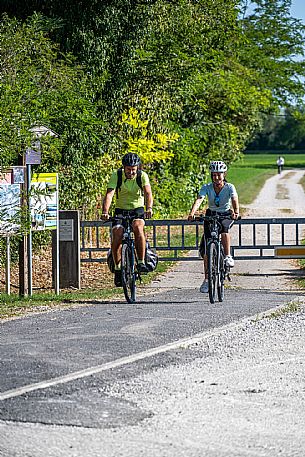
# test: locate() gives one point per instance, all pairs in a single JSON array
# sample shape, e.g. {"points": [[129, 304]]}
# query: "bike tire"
{"points": [[221, 278], [128, 274], [212, 271]]}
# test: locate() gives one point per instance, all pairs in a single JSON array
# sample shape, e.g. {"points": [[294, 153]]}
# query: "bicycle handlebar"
{"points": [[127, 218], [217, 217]]}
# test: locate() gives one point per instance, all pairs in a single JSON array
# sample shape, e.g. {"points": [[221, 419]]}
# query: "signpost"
{"points": [[44, 209], [69, 249], [33, 157], [10, 203]]}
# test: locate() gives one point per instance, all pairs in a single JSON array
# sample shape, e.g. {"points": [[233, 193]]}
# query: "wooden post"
{"points": [[69, 249], [23, 248]]}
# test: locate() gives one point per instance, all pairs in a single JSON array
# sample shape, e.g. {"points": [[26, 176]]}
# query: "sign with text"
{"points": [[9, 209], [10, 201], [44, 201], [32, 157], [66, 230]]}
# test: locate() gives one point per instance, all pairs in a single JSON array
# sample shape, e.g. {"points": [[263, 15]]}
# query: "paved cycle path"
{"points": [[45, 346]]}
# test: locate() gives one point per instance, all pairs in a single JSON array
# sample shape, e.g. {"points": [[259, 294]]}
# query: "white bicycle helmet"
{"points": [[218, 167]]}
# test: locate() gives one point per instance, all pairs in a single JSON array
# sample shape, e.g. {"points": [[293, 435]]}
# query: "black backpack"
{"points": [[120, 180]]}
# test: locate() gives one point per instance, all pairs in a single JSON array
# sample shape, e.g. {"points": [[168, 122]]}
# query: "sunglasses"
{"points": [[216, 200]]}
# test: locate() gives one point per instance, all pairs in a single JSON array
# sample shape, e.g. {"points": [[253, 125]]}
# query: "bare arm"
{"points": [[195, 207], [107, 202], [148, 201], [235, 205]]}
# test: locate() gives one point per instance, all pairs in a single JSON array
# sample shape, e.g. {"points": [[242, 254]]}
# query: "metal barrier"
{"points": [[251, 239]]}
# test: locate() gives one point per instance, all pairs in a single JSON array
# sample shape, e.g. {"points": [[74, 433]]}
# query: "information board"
{"points": [[10, 200], [44, 201]]}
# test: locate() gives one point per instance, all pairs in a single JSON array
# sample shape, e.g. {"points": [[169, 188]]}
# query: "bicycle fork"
{"points": [[219, 248]]}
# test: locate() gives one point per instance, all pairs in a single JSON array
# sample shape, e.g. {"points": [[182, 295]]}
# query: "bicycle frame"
{"points": [[218, 271], [129, 260], [128, 239]]}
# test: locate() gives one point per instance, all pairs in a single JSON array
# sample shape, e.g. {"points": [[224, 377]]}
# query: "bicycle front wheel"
{"points": [[221, 278], [128, 274], [212, 271]]}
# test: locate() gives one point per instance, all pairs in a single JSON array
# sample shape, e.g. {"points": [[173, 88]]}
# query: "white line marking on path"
{"points": [[184, 342]]}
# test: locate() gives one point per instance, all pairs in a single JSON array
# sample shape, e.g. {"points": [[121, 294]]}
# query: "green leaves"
{"points": [[275, 49], [180, 83]]}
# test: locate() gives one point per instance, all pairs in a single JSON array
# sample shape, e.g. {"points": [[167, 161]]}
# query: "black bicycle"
{"points": [[129, 260], [218, 270]]}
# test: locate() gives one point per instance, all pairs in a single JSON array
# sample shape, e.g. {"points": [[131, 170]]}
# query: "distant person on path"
{"points": [[132, 188], [280, 164], [221, 195]]}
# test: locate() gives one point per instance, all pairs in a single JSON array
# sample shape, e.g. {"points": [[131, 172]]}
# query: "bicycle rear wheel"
{"points": [[212, 271], [128, 274], [221, 278]]}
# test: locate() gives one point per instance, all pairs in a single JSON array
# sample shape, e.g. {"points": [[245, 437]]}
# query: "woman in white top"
{"points": [[221, 196]]}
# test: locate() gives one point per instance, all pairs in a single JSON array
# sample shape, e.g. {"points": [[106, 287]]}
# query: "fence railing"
{"points": [[250, 238]]}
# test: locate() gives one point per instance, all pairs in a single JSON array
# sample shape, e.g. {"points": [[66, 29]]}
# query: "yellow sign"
{"points": [[44, 201], [296, 252]]}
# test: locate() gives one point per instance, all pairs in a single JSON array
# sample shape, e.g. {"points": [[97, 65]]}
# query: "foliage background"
{"points": [[180, 82]]}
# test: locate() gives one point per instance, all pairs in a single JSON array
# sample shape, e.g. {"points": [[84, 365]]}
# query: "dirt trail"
{"points": [[281, 196]]}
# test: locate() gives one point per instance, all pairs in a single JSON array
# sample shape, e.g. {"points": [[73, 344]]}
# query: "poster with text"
{"points": [[9, 209], [44, 201]]}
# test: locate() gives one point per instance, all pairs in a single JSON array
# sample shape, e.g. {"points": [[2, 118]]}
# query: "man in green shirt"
{"points": [[133, 193]]}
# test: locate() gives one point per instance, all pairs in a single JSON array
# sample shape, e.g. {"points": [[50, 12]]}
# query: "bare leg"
{"points": [[225, 239], [140, 241], [116, 246], [205, 266]]}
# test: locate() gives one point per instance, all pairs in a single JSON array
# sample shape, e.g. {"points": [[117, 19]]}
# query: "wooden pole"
{"points": [[23, 251]]}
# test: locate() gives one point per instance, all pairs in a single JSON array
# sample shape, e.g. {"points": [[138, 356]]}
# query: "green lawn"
{"points": [[248, 182], [250, 173], [269, 161], [14, 306]]}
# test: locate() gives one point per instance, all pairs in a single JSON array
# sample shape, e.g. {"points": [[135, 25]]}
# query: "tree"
{"points": [[283, 132], [42, 86], [195, 71], [274, 49]]}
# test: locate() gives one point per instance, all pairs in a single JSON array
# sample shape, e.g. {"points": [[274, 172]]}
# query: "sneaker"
{"points": [[229, 261], [204, 288], [142, 268], [118, 278]]}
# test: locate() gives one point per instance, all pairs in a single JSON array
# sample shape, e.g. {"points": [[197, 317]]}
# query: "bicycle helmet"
{"points": [[131, 160], [218, 167]]}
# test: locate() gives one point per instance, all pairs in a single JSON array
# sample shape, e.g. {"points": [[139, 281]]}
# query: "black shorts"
{"points": [[137, 213], [226, 224]]}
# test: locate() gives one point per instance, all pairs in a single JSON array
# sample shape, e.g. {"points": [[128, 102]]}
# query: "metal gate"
{"points": [[251, 239]]}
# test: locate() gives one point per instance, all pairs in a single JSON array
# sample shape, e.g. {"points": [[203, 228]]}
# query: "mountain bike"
{"points": [[218, 270], [129, 260]]}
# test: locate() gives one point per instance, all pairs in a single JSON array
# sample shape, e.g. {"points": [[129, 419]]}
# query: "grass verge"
{"points": [[248, 182], [291, 307], [15, 306], [250, 173]]}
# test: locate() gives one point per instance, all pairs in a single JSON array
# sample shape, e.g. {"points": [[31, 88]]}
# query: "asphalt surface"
{"points": [[143, 406], [170, 375], [45, 346]]}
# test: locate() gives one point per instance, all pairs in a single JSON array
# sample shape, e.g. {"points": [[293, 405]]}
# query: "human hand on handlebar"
{"points": [[148, 213], [105, 216]]}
